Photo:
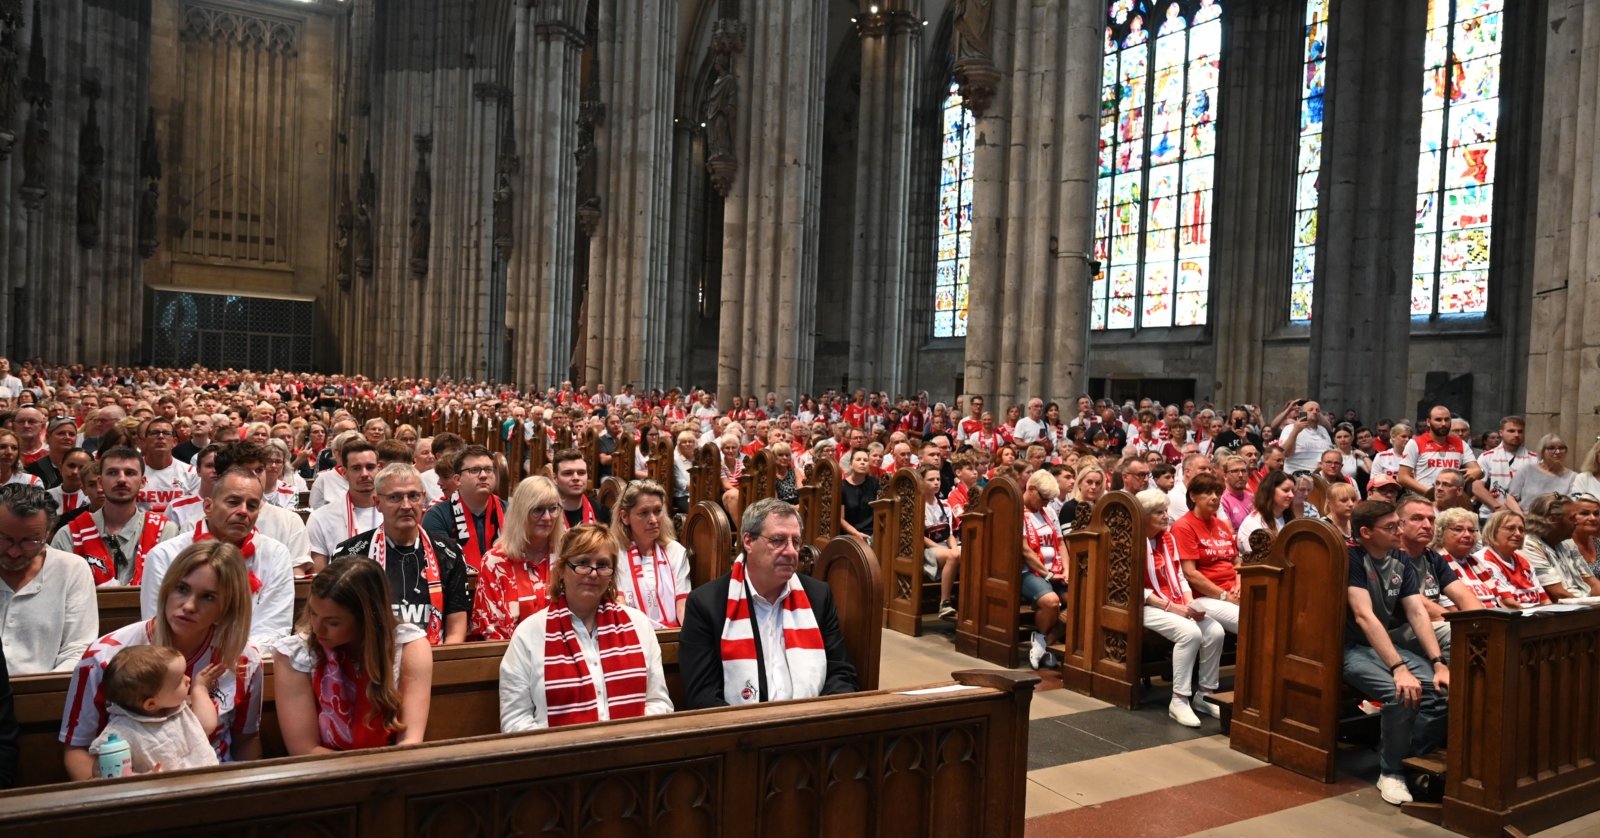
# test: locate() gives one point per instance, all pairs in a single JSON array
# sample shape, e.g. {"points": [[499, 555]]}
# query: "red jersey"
{"points": [[855, 415], [1211, 546]]}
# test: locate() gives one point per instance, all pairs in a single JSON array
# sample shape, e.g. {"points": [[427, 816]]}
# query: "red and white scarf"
{"points": [[588, 511], [345, 717], [1044, 539], [493, 513], [247, 547], [802, 643], [378, 551], [87, 542], [71, 501], [662, 609], [1163, 573], [570, 697], [350, 517]]}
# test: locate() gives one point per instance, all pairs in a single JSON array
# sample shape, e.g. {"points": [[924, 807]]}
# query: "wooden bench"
{"points": [[820, 502], [466, 676], [659, 466], [707, 538], [759, 480], [913, 763], [1289, 681], [898, 527], [705, 476], [990, 609], [1105, 639]]}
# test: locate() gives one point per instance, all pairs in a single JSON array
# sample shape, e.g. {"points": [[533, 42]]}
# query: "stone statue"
{"points": [[366, 200], [10, 94], [91, 166], [150, 195], [721, 108], [36, 89], [341, 240], [974, 65], [421, 207]]}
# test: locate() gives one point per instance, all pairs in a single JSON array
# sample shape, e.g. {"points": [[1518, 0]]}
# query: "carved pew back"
{"points": [[945, 763], [1105, 609], [622, 461], [658, 465], [708, 540], [897, 529], [705, 476], [819, 503], [1289, 675], [991, 562], [589, 444], [538, 451], [759, 479]]}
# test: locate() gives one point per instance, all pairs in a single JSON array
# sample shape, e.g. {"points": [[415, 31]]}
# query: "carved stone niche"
{"points": [[91, 168], [974, 67], [589, 216]]}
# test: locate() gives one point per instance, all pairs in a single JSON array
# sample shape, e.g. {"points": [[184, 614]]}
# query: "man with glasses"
{"points": [[1135, 475], [1391, 654], [231, 514], [472, 515], [165, 479], [427, 576], [764, 631], [337, 522], [29, 425], [48, 612]]}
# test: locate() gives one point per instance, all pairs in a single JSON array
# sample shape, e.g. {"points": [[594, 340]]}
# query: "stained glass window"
{"points": [[953, 269], [1158, 140], [1455, 172], [1308, 168]]}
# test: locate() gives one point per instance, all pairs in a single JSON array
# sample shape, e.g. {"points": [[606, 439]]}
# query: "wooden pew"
{"points": [[991, 567], [897, 528], [1105, 603], [820, 502], [611, 489], [1524, 750], [707, 538], [538, 451], [466, 676], [1289, 679], [908, 763], [590, 446], [759, 479], [705, 476], [659, 466], [622, 460]]}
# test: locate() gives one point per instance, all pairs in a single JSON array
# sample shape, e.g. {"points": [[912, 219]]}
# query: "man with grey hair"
{"points": [[427, 575], [48, 611], [763, 631]]}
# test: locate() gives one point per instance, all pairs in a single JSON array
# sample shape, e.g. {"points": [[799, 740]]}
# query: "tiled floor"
{"points": [[1098, 770]]}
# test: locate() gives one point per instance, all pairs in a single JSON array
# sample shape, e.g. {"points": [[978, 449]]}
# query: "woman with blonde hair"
{"points": [[1089, 485], [652, 567], [513, 582], [557, 660], [1342, 500], [352, 676], [1587, 481], [787, 479], [204, 614], [1456, 538]]}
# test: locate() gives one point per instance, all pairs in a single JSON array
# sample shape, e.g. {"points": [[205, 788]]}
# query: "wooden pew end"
{"points": [[1224, 702]]}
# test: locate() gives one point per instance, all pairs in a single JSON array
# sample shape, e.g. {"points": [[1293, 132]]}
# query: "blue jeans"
{"points": [[1405, 732]]}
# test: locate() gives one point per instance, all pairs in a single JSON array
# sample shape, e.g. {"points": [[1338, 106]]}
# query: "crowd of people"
{"points": [[186, 485]]}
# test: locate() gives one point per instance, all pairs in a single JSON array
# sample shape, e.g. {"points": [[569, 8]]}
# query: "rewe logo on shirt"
{"points": [[413, 612], [160, 497]]}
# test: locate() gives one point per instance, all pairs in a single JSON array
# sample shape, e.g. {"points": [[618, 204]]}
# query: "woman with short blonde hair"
{"points": [[514, 580]]}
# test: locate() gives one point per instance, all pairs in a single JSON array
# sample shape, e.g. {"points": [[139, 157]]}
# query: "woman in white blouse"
{"points": [[652, 567], [586, 658]]}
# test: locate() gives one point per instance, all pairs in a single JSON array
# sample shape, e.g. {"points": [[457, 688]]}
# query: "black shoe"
{"points": [[947, 610]]}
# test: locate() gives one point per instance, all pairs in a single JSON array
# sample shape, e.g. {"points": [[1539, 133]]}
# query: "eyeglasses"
{"points": [[778, 542], [28, 545], [398, 498], [584, 569], [158, 434], [544, 511], [1391, 527], [476, 470], [1555, 448]]}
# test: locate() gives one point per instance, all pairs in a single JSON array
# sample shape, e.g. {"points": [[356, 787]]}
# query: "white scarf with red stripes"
{"points": [[802, 643]]}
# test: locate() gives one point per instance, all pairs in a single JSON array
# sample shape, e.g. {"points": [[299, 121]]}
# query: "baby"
{"points": [[165, 719]]}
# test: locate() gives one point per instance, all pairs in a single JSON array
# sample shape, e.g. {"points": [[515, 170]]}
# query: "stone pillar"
{"points": [[1564, 346], [629, 324], [769, 273], [1033, 197], [1361, 325], [539, 283], [880, 304], [1258, 128]]}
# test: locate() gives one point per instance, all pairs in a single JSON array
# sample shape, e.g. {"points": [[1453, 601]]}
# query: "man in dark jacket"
{"points": [[763, 632]]}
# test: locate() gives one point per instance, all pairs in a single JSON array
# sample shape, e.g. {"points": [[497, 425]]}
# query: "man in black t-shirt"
{"points": [[427, 575], [1237, 433]]}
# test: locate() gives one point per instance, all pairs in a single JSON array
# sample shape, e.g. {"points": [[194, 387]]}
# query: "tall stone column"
{"points": [[1361, 325], [628, 319], [880, 308], [1564, 345], [1033, 196], [769, 269], [1259, 127], [549, 38]]}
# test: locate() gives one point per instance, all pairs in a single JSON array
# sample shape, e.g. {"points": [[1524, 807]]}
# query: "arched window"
{"points": [[1158, 140], [953, 269], [1308, 167], [1455, 173]]}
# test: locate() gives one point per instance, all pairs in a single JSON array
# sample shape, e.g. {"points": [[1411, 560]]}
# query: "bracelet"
{"points": [[1437, 660], [1397, 665]]}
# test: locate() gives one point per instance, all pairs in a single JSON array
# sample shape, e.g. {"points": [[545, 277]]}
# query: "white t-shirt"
{"points": [[336, 522], [1027, 431], [706, 415], [1308, 447], [163, 486], [646, 599], [1427, 458], [272, 606], [327, 488]]}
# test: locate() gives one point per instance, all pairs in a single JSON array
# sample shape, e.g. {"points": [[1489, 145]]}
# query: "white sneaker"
{"points": [[1202, 705], [1179, 710], [1037, 651], [1393, 788]]}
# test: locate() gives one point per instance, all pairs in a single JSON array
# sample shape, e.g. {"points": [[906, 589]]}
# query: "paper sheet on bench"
{"points": [[948, 688], [1557, 608]]}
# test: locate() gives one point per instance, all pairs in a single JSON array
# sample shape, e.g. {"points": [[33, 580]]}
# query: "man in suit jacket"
{"points": [[777, 605]]}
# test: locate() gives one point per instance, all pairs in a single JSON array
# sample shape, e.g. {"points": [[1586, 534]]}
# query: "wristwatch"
{"points": [[1436, 660]]}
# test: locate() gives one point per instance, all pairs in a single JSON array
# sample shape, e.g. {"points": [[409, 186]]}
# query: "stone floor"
{"points": [[1095, 769]]}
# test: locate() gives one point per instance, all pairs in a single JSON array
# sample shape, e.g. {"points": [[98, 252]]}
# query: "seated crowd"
{"points": [[185, 484]]}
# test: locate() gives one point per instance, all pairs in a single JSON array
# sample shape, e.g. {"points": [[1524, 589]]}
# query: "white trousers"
{"points": [[1190, 640], [1224, 612]]}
